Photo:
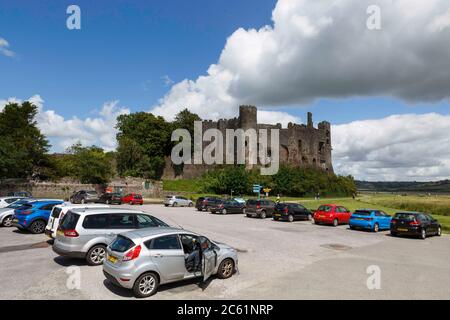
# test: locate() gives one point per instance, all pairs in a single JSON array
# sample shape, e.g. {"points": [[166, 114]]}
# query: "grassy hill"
{"points": [[442, 186]]}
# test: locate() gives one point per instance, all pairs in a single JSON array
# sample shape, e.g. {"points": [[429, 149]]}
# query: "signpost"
{"points": [[257, 189]]}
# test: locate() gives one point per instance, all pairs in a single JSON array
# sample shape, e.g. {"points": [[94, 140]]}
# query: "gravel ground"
{"points": [[277, 260]]}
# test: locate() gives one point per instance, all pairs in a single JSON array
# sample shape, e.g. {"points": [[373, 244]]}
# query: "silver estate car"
{"points": [[177, 201], [141, 260], [85, 233]]}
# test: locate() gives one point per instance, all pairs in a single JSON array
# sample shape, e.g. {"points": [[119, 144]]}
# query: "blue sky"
{"points": [[135, 55]]}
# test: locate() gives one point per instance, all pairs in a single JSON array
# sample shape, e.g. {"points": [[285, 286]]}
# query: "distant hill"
{"points": [[442, 186]]}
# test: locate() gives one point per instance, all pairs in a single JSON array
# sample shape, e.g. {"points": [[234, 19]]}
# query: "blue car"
{"points": [[34, 215], [370, 219]]}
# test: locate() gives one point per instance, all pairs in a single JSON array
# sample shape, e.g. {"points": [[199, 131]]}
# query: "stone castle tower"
{"points": [[300, 145]]}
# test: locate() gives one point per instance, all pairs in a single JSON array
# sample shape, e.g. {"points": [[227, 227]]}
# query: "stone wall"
{"points": [[65, 187]]}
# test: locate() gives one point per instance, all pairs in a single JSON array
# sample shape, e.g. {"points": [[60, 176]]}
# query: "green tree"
{"points": [[90, 164], [23, 147], [143, 142]]}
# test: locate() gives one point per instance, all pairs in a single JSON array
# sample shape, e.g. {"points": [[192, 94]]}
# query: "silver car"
{"points": [[177, 201], [6, 213], [85, 233], [141, 260]]}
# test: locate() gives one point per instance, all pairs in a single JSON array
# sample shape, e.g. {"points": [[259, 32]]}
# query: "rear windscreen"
{"points": [[56, 212], [324, 208], [121, 244], [405, 216], [69, 221], [363, 212]]}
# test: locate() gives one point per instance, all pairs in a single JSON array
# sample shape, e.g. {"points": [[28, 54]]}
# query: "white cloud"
{"points": [[317, 49], [399, 147], [4, 49], [98, 130]]}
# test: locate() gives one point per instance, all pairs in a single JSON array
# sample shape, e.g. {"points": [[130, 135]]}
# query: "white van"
{"points": [[58, 213]]}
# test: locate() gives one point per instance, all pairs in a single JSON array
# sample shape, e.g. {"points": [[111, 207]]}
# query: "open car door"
{"points": [[209, 258]]}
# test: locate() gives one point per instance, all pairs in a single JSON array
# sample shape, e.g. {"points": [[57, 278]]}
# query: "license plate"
{"points": [[112, 259], [15, 221], [59, 232], [402, 229], [359, 219], [277, 215]]}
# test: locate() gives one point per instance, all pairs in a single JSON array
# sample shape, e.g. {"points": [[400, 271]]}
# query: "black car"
{"points": [[110, 198], [203, 203], [227, 206], [84, 196], [414, 224], [259, 208], [291, 212]]}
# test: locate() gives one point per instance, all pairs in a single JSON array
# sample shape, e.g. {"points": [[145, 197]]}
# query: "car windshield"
{"points": [[121, 244], [405, 216], [325, 208], [17, 204], [363, 212]]}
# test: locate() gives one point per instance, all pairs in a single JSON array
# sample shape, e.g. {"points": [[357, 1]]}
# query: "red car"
{"points": [[332, 214], [133, 198]]}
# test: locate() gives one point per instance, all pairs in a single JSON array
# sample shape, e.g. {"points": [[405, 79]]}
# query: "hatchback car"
{"points": [[110, 198], [141, 260], [203, 203], [227, 206], [259, 208], [84, 196], [290, 212], [133, 198], [58, 213], [414, 224], [370, 219], [177, 201], [332, 214], [34, 215], [7, 213], [85, 233]]}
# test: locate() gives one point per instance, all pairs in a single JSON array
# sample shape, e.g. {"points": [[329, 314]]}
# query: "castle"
{"points": [[300, 145]]}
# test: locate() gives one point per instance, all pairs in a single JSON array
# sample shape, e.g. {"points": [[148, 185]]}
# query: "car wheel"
{"points": [[226, 269], [335, 222], [276, 219], [108, 202], [309, 217], [166, 205], [439, 232], [224, 211], [376, 227], [291, 218], [146, 285], [352, 227], [130, 203], [7, 221], [37, 226], [82, 201], [393, 233], [190, 204], [423, 234], [263, 215], [174, 204], [248, 215], [96, 255]]}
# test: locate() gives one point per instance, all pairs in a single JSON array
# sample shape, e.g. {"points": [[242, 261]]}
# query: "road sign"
{"points": [[257, 188]]}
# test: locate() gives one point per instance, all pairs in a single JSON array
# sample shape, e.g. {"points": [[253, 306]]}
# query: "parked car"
{"points": [[371, 219], [144, 259], [60, 210], [133, 198], [332, 214], [203, 203], [7, 213], [414, 224], [110, 198], [84, 196], [23, 194], [177, 201], [290, 212], [34, 215], [85, 233], [227, 206], [259, 208], [6, 201]]}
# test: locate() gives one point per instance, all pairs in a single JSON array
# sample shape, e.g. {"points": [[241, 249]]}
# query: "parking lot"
{"points": [[277, 260]]}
